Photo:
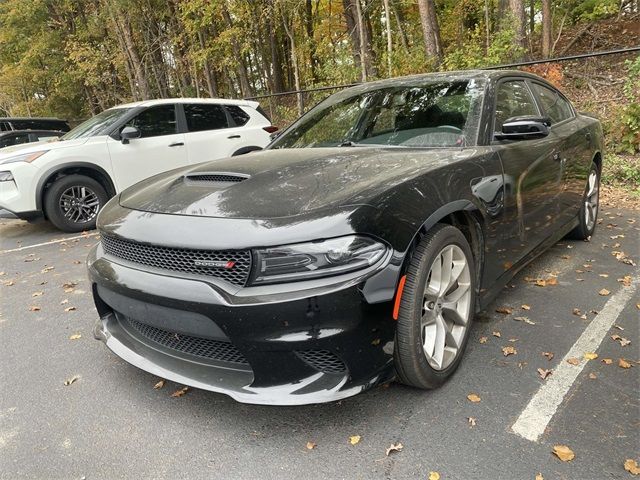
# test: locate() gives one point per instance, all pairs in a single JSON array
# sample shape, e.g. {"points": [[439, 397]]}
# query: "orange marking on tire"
{"points": [[396, 307]]}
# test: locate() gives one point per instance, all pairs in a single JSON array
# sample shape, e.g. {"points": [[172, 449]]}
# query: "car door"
{"points": [[574, 148], [532, 174], [159, 148], [209, 135]]}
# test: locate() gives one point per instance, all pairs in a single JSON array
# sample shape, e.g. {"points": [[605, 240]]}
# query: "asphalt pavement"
{"points": [[111, 423]]}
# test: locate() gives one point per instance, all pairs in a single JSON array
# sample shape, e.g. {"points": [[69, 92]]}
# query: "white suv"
{"points": [[70, 180]]}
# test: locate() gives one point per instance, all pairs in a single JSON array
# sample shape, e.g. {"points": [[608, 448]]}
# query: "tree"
{"points": [[546, 28], [518, 17], [430, 29]]}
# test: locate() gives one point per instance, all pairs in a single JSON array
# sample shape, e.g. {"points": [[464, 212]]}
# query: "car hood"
{"points": [[284, 182], [38, 147]]}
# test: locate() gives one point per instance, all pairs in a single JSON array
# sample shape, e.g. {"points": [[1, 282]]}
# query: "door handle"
{"points": [[176, 144], [233, 136]]}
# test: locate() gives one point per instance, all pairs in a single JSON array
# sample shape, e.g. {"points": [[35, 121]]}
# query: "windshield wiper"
{"points": [[349, 143]]}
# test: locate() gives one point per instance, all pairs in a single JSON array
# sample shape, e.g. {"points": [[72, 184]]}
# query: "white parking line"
{"points": [[60, 240], [534, 419]]}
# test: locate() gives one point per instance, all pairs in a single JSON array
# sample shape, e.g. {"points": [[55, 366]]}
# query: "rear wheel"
{"points": [[588, 215], [436, 309], [72, 202]]}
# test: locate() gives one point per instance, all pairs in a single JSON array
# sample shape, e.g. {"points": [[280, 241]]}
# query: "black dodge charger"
{"points": [[356, 248]]}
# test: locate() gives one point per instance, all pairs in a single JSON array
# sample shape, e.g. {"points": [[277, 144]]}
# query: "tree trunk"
{"points": [[362, 45], [294, 61], [308, 24], [546, 28], [387, 21], [430, 29], [353, 31], [243, 76], [209, 78], [400, 21], [517, 12], [276, 63]]}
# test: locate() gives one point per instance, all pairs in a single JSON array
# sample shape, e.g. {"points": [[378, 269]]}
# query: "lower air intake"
{"points": [[323, 360]]}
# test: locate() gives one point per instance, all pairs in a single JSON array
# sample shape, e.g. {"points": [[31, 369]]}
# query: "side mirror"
{"points": [[128, 133], [522, 128]]}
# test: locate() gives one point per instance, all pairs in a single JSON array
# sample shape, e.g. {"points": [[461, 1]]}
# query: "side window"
{"points": [[240, 117], [202, 116], [555, 107], [155, 121], [14, 140], [4, 127], [514, 100]]}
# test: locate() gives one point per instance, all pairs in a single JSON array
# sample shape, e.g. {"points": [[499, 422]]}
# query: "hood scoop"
{"points": [[216, 179]]}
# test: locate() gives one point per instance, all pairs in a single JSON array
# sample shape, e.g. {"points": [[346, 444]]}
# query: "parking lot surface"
{"points": [[110, 422]]}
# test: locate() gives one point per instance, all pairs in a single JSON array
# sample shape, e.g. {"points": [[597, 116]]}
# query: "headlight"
{"points": [[6, 176], [25, 157], [304, 261]]}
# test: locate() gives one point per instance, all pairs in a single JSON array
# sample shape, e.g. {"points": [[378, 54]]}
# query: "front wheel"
{"points": [[436, 309], [72, 202], [588, 215]]}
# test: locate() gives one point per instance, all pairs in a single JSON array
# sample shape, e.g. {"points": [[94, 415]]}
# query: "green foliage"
{"points": [[624, 130], [473, 53], [589, 10], [622, 171]]}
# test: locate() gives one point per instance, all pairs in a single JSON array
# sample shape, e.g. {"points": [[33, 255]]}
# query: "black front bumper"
{"points": [[267, 346]]}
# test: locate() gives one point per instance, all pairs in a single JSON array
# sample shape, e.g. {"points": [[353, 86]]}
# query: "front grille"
{"points": [[198, 346], [215, 178], [183, 259], [323, 360]]}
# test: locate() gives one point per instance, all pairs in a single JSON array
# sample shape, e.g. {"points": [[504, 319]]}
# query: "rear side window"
{"points": [[240, 117], [202, 116], [555, 107], [14, 140], [155, 121], [37, 124], [4, 127], [514, 100]]}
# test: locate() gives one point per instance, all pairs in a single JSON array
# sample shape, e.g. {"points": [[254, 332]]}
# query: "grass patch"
{"points": [[622, 171]]}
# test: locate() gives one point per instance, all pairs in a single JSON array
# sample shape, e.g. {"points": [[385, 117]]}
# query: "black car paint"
{"points": [[528, 200]]}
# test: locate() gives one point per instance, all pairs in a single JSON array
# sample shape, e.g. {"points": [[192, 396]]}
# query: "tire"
{"points": [[413, 340], [590, 204], [72, 202]]}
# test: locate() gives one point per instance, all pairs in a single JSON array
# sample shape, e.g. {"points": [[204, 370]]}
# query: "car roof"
{"points": [[165, 101], [10, 119]]}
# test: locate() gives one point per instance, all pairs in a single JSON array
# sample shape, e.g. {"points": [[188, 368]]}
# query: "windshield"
{"points": [[96, 125], [439, 114]]}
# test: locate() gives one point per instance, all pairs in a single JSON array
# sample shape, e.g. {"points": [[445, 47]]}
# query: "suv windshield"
{"points": [[96, 125], [437, 114]]}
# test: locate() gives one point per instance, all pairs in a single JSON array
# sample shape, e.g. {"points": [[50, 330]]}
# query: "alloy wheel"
{"points": [[591, 201], [79, 204], [446, 307]]}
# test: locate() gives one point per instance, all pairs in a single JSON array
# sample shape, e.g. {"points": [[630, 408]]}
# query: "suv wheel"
{"points": [[72, 202], [436, 309]]}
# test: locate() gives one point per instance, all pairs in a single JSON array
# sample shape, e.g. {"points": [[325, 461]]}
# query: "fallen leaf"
{"points": [[564, 453], [180, 392], [471, 421], [607, 361], [576, 311], [71, 380], [593, 376], [544, 373], [75, 336], [623, 341], [509, 350], [549, 355], [483, 339], [9, 283], [526, 320], [632, 466], [311, 445], [622, 363], [69, 309], [37, 294], [394, 447], [159, 385], [434, 476], [46, 269], [552, 281], [604, 275], [375, 342], [504, 310], [496, 334], [34, 308], [604, 292], [573, 361], [539, 476], [473, 398], [590, 356], [541, 283], [354, 439], [525, 307]]}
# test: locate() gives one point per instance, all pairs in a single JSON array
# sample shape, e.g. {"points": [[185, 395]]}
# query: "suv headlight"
{"points": [[25, 157], [324, 258]]}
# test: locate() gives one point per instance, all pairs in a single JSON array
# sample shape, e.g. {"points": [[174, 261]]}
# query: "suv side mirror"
{"points": [[525, 127], [128, 133]]}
